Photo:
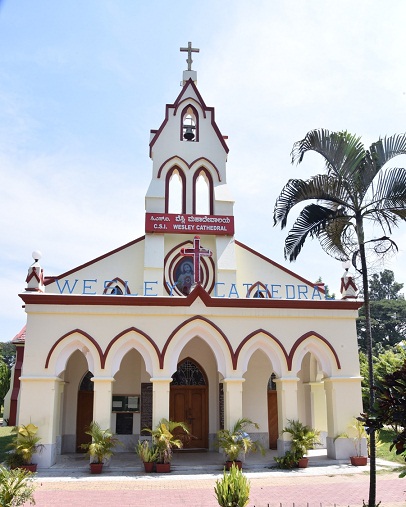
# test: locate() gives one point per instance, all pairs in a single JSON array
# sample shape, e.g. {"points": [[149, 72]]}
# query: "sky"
{"points": [[82, 83]]}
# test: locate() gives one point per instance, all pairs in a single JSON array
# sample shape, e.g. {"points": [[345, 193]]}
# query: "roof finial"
{"points": [[189, 73], [189, 50]]}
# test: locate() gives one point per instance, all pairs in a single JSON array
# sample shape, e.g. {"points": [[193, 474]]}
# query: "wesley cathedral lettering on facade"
{"points": [[185, 322]]}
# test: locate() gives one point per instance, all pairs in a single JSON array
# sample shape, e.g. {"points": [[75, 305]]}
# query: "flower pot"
{"points": [[32, 467], [303, 462], [237, 463], [149, 466], [359, 461], [96, 468], [163, 468]]}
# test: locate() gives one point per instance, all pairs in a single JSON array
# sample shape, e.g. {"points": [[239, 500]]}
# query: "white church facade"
{"points": [[185, 322]]}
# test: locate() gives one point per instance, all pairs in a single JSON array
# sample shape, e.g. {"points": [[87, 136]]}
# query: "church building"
{"points": [[186, 322]]}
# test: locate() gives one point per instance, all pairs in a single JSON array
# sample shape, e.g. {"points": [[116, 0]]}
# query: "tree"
{"points": [[356, 189], [385, 363], [326, 289], [8, 353], [4, 380], [383, 286], [390, 409], [388, 313]]}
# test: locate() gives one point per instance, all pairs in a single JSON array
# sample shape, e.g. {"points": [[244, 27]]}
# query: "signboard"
{"points": [[189, 224], [126, 403]]}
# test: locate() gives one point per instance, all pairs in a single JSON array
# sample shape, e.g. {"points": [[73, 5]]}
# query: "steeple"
{"points": [[189, 73], [188, 196]]}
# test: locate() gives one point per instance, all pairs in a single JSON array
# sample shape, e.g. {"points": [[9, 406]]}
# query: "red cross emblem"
{"points": [[196, 252]]}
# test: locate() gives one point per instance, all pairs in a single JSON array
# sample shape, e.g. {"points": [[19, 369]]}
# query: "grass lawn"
{"points": [[386, 436], [5, 439]]}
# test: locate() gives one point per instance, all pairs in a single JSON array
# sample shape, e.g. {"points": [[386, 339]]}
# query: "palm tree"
{"points": [[356, 189]]}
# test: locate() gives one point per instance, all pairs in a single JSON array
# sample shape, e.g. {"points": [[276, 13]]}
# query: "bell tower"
{"points": [[188, 195]]}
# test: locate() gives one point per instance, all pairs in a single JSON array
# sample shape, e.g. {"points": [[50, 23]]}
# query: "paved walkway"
{"points": [[191, 483]]}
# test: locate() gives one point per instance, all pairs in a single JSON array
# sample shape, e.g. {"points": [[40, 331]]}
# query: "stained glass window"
{"points": [[188, 374]]}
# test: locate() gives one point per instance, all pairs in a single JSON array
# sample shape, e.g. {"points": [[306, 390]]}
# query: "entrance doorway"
{"points": [[189, 403], [84, 411], [272, 413]]}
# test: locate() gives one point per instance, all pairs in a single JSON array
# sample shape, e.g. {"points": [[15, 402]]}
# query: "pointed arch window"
{"points": [[189, 127], [86, 383], [258, 290], [189, 373], [175, 191], [116, 287], [203, 193]]}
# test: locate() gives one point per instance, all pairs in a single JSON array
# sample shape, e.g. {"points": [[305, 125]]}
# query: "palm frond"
{"points": [[316, 220], [320, 187], [389, 191], [380, 153], [334, 239], [342, 151]]}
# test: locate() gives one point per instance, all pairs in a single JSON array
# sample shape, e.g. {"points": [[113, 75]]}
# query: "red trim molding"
{"points": [[198, 292], [83, 333], [303, 338], [176, 157], [128, 330], [12, 421], [51, 279], [178, 328]]}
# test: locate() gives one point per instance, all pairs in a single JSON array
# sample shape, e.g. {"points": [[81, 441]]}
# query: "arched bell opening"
{"points": [[189, 124]]}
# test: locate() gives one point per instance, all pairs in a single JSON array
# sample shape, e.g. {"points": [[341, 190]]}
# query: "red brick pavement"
{"points": [[195, 491]]}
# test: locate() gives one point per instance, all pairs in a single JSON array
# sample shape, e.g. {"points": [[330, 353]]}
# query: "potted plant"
{"points": [[237, 441], [16, 487], [164, 441], [303, 438], [100, 448], [358, 430], [23, 447], [233, 489], [147, 453]]}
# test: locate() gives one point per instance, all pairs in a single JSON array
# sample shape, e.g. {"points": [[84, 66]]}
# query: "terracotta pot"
{"points": [[96, 468], [32, 467], [149, 466], [359, 461], [237, 463], [303, 462], [163, 468]]}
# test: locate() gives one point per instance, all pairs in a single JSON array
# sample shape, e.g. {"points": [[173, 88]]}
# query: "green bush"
{"points": [[233, 489], [16, 487], [289, 460]]}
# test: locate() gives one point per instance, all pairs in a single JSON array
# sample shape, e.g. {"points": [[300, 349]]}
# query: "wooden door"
{"points": [[273, 419], [189, 404], [83, 418]]}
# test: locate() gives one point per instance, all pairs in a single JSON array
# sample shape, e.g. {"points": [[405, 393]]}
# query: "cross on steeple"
{"points": [[190, 50], [196, 252]]}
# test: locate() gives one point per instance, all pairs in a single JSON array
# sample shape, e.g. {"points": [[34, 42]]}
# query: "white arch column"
{"points": [[103, 387], [318, 408], [40, 404], [344, 402], [232, 400], [160, 398], [287, 408]]}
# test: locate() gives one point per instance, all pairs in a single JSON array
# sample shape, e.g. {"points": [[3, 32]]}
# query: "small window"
{"points": [[203, 193], [258, 290], [175, 191]]}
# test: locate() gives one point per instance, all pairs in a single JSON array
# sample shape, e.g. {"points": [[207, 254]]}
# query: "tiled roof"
{"points": [[20, 337]]}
